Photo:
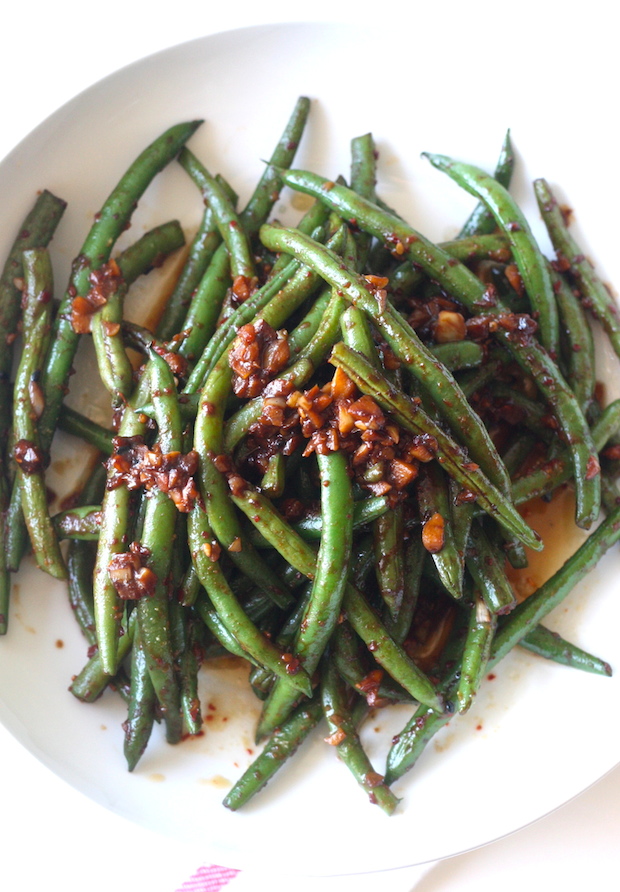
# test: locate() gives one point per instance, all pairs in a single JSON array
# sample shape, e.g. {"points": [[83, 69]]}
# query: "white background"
{"points": [[48, 832]]}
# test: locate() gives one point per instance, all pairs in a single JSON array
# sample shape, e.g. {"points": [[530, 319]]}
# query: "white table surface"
{"points": [[48, 831]]}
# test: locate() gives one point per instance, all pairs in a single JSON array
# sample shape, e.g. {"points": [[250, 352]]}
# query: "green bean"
{"points": [[201, 251], [406, 276], [251, 640], [330, 577], [458, 354], [157, 539], [345, 739], [552, 646], [268, 188], [115, 368], [298, 373], [261, 680], [517, 453], [78, 425], [463, 284], [388, 532], [530, 262], [199, 325], [450, 455], [310, 527], [28, 451], [186, 641], [220, 512], [366, 623], [414, 561], [150, 250], [113, 539], [586, 470], [350, 654], [228, 222], [558, 470], [434, 379], [409, 743], [106, 323], [363, 182], [142, 706], [90, 683], [580, 362], [593, 292], [534, 609], [476, 653], [387, 651], [387, 529], [481, 220], [283, 743], [36, 231], [110, 222], [433, 496], [80, 523], [218, 628], [486, 565], [81, 559], [226, 333]]}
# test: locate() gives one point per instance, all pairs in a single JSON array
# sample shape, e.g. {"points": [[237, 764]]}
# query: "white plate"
{"points": [[539, 734]]}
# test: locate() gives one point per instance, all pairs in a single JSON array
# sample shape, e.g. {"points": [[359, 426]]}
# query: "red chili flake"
{"points": [[130, 575], [257, 354], [135, 465], [104, 281], [30, 457], [336, 737]]}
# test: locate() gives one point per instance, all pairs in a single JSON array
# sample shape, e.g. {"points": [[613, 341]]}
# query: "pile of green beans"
{"points": [[316, 464]]}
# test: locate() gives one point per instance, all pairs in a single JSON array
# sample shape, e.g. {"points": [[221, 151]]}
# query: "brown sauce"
{"points": [[554, 521]]}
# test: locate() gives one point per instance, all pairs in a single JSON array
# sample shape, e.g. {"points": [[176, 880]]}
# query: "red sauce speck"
{"points": [[60, 643]]}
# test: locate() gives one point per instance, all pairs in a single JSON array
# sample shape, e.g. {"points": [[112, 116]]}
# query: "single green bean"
{"points": [[579, 340], [78, 425], [433, 495], [476, 653], [29, 452], [552, 646], [481, 220], [233, 235], [486, 563], [142, 706], [345, 738], [283, 743], [593, 292]]}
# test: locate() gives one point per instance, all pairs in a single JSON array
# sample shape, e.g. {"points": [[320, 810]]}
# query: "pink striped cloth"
{"points": [[210, 878]]}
